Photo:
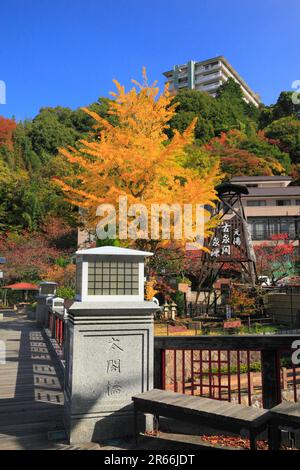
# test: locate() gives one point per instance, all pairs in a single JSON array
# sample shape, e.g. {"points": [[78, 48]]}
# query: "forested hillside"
{"points": [[245, 140]]}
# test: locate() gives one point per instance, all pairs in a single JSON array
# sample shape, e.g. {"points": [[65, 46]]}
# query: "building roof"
{"points": [[234, 72], [48, 282], [113, 250], [261, 178], [22, 286], [231, 188], [275, 191]]}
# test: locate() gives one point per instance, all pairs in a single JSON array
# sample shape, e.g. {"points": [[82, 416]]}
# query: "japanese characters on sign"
{"points": [[222, 242], [114, 367]]}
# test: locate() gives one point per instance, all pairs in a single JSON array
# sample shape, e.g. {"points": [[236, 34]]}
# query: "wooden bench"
{"points": [[286, 414], [220, 415]]}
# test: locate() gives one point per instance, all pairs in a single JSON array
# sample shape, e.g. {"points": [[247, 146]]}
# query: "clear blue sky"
{"points": [[66, 52]]}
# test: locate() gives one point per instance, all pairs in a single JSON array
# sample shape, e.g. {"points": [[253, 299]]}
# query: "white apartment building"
{"points": [[271, 207], [208, 75]]}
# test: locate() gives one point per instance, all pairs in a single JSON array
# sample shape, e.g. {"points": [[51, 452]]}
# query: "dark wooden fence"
{"points": [[249, 369], [56, 325]]}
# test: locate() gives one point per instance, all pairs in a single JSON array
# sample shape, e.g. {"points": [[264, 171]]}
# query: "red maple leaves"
{"points": [[7, 128]]}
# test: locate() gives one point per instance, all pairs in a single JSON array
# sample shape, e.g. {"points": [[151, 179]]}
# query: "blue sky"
{"points": [[66, 52]]}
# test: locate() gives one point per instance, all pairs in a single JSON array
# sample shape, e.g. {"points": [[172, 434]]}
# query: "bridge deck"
{"points": [[31, 396]]}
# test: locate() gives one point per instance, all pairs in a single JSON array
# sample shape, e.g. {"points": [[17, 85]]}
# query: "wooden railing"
{"points": [[249, 369]]}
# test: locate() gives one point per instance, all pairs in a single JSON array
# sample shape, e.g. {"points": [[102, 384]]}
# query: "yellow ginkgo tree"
{"points": [[135, 158]]}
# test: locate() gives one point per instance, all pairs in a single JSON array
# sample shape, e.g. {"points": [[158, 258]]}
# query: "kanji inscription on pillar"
{"points": [[113, 367], [115, 372]]}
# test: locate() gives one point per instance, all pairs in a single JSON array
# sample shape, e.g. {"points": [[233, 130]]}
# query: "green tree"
{"points": [[263, 148], [236, 113], [284, 107], [199, 158], [214, 115], [193, 104], [48, 133], [287, 131], [24, 156], [243, 156]]}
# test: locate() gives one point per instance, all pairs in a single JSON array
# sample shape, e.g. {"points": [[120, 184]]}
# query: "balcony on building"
{"points": [[211, 86], [207, 67], [207, 78]]}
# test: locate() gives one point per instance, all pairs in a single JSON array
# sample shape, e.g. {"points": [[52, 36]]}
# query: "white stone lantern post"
{"points": [[109, 350], [47, 290]]}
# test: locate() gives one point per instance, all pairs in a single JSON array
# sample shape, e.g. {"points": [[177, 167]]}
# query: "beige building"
{"points": [[271, 207], [208, 75]]}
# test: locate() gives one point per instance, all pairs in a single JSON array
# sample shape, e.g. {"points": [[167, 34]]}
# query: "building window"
{"points": [[256, 203], [283, 202], [258, 230], [264, 228], [297, 202], [273, 227], [113, 278]]}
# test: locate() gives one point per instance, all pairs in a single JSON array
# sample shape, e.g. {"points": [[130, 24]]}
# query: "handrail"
{"points": [[56, 324], [171, 354], [227, 342]]}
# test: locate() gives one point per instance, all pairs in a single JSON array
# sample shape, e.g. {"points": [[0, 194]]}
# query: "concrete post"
{"points": [[166, 311], [41, 311], [173, 310], [46, 293], [109, 350]]}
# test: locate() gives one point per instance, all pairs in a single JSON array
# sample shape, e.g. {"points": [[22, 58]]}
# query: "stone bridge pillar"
{"points": [[47, 291], [109, 349]]}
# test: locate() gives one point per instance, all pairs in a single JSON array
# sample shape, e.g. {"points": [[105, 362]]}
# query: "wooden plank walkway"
{"points": [[31, 397], [31, 393]]}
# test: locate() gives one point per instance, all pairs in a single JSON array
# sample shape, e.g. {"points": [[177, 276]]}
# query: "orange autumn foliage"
{"points": [[7, 128], [135, 157], [236, 161], [64, 276], [150, 289]]}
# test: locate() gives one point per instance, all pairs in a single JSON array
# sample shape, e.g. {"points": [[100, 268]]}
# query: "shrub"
{"points": [[66, 292]]}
